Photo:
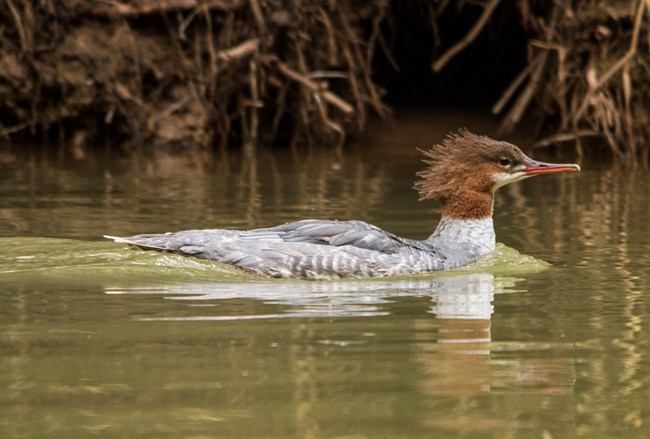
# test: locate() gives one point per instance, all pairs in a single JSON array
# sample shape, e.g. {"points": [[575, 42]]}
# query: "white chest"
{"points": [[463, 241]]}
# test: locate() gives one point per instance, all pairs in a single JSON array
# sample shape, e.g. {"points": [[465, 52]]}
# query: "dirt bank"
{"points": [[202, 73], [188, 72]]}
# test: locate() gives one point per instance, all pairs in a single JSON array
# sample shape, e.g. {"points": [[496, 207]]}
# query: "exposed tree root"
{"points": [[188, 73]]}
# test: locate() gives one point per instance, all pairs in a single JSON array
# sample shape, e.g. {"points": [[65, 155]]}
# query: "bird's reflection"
{"points": [[445, 344], [459, 335], [457, 296]]}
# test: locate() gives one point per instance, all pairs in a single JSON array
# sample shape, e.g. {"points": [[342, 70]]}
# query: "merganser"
{"points": [[463, 173]]}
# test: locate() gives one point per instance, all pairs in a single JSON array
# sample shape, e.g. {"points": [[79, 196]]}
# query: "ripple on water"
{"points": [[464, 293]]}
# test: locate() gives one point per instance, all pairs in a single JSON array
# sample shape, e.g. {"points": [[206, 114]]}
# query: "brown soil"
{"points": [[195, 73], [187, 72]]}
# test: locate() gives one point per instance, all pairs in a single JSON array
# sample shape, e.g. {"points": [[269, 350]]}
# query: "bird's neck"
{"points": [[462, 241], [467, 204]]}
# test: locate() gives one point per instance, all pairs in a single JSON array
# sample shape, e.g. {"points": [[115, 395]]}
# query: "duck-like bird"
{"points": [[463, 173]]}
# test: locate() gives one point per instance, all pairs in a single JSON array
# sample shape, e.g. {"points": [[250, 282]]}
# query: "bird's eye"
{"points": [[504, 161]]}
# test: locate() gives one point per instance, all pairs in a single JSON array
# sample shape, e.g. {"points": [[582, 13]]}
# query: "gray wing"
{"points": [[333, 233], [329, 233], [309, 248]]}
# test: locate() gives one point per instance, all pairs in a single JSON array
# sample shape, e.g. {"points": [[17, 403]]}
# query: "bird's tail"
{"points": [[131, 242]]}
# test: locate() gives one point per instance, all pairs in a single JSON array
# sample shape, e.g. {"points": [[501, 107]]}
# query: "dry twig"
{"points": [[467, 39], [618, 65], [240, 51], [314, 87], [128, 10]]}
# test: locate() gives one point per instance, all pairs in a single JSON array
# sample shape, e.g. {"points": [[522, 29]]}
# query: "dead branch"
{"points": [[314, 87], [19, 26], [357, 62], [525, 97], [5, 131], [564, 137], [240, 51], [255, 103], [519, 107], [259, 17], [618, 64], [127, 10], [467, 39], [514, 85], [335, 127]]}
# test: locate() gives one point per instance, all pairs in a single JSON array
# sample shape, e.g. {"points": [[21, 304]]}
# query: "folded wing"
{"points": [[308, 249]]}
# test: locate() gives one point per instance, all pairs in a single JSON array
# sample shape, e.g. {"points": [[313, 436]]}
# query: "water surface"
{"points": [[98, 340]]}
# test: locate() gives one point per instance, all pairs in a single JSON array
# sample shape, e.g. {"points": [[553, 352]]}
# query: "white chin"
{"points": [[504, 178]]}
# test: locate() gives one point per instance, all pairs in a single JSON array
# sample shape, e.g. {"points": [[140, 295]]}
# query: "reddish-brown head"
{"points": [[465, 170]]}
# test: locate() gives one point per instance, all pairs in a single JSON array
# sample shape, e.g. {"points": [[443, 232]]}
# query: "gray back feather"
{"points": [[309, 249]]}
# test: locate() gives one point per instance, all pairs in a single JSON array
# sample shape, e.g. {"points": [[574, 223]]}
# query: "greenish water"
{"points": [[97, 340]]}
